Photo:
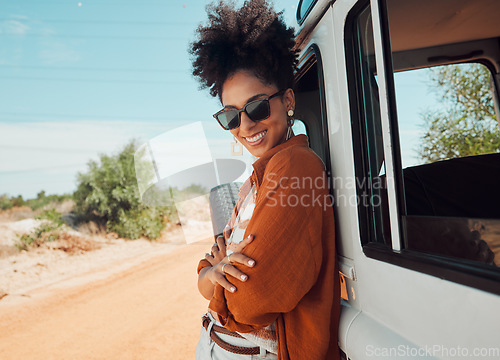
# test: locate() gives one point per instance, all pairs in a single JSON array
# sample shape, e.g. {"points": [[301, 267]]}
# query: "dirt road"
{"points": [[150, 311]]}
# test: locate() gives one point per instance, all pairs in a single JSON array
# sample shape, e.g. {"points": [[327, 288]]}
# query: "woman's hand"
{"points": [[218, 251], [222, 263]]}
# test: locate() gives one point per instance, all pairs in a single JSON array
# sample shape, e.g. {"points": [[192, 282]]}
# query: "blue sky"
{"points": [[81, 78]]}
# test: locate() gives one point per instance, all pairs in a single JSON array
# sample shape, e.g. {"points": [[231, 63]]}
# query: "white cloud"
{"points": [[19, 17], [52, 51], [13, 27], [56, 52], [38, 145], [47, 32], [48, 155]]}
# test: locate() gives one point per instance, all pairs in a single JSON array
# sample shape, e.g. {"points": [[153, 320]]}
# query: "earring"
{"points": [[236, 148], [290, 122], [288, 133]]}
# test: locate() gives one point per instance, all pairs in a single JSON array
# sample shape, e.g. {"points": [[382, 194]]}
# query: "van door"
{"points": [[427, 281]]}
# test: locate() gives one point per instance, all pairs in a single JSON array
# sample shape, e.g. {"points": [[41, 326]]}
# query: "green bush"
{"points": [[18, 201], [46, 231], [42, 200], [109, 191], [52, 215], [5, 202]]}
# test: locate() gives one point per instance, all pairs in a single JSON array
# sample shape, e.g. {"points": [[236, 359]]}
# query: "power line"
{"points": [[95, 37], [51, 68], [121, 2], [41, 169], [47, 149], [90, 116], [104, 22], [36, 78]]}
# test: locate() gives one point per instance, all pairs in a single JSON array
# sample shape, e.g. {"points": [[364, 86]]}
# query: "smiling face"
{"points": [[260, 136]]}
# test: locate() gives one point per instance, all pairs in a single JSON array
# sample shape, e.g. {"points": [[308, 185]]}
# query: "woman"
{"points": [[272, 281]]}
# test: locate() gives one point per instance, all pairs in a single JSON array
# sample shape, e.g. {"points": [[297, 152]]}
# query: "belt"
{"points": [[226, 346]]}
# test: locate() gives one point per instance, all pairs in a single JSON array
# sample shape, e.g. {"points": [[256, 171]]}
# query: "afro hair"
{"points": [[253, 38]]}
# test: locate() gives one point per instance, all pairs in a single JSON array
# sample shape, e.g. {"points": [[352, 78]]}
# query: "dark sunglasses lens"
{"points": [[229, 119], [258, 110]]}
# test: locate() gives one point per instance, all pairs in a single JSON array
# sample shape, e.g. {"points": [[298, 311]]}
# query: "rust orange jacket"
{"points": [[295, 278]]}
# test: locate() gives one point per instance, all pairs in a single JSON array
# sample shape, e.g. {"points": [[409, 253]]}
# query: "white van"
{"points": [[418, 244]]}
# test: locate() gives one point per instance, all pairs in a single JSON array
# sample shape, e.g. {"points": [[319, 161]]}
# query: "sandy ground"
{"points": [[126, 300], [123, 300]]}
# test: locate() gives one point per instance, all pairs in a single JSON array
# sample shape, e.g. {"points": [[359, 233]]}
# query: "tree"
{"points": [[468, 125], [109, 191]]}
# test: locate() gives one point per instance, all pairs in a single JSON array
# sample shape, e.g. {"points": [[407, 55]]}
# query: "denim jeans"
{"points": [[208, 350]]}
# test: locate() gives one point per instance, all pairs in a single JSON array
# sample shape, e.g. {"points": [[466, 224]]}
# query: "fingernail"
{"points": [[244, 277], [251, 262], [207, 254], [232, 289], [227, 227], [249, 236]]}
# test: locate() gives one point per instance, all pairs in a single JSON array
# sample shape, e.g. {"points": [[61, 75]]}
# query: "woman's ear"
{"points": [[289, 99]]}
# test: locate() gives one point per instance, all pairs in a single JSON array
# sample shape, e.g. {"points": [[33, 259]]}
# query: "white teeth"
{"points": [[257, 137]]}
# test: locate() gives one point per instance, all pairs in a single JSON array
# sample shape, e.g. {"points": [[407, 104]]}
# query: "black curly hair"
{"points": [[253, 38]]}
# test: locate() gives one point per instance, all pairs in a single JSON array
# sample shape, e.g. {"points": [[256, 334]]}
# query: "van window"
{"points": [[371, 178], [304, 8], [309, 104], [451, 161], [446, 141]]}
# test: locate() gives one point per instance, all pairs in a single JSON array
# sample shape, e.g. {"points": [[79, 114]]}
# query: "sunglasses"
{"points": [[256, 110]]}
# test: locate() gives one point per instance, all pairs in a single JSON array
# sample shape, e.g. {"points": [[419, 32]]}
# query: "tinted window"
{"points": [[448, 137]]}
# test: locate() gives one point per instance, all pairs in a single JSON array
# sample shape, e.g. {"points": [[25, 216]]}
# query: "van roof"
{"points": [[420, 23]]}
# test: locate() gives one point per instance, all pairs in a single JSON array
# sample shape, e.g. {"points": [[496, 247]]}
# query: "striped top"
{"points": [[265, 337]]}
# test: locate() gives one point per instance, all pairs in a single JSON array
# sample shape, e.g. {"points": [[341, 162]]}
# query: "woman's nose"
{"points": [[245, 122]]}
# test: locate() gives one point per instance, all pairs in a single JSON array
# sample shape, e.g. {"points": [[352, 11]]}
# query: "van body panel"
{"points": [[369, 338], [328, 36], [424, 308]]}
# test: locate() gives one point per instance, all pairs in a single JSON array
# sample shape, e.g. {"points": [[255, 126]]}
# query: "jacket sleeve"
{"points": [[286, 223]]}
